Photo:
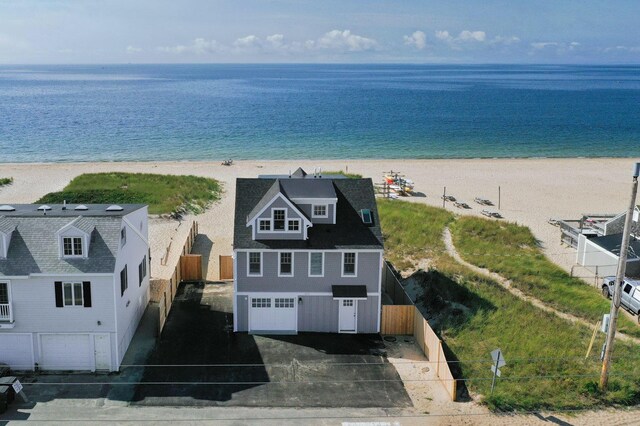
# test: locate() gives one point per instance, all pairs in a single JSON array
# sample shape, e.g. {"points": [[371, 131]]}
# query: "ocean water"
{"points": [[212, 112]]}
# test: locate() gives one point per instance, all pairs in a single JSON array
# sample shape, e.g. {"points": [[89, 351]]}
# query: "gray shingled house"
{"points": [[308, 255], [74, 283]]}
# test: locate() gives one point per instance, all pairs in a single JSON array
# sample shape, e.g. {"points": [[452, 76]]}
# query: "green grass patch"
{"points": [[163, 193], [546, 366], [411, 231], [6, 181], [340, 172], [512, 251]]}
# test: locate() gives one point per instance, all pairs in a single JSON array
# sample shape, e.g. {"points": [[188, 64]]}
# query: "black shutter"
{"points": [[58, 288], [86, 293]]}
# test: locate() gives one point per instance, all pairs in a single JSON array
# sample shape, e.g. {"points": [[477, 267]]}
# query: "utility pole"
{"points": [[615, 299]]}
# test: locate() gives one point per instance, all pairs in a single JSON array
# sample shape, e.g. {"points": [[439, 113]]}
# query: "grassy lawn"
{"points": [[163, 193], [6, 181], [478, 316], [511, 251]]}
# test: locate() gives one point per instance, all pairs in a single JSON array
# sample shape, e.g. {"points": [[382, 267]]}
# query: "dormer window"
{"points": [[265, 225], [72, 246], [293, 225], [278, 219], [319, 210]]}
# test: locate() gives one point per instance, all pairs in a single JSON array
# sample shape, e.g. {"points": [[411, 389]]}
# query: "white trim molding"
{"points": [[355, 265], [249, 274]]}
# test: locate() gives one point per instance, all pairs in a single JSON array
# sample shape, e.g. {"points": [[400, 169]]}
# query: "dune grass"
{"points": [[6, 181], [340, 172], [546, 366], [163, 193], [512, 251], [411, 231]]}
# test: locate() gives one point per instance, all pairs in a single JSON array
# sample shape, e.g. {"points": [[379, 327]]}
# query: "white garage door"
{"points": [[16, 350], [273, 315], [66, 352]]}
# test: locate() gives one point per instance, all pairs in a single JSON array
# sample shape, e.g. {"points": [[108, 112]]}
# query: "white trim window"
{"points": [[316, 264], [254, 264], [319, 210], [264, 225], [279, 219], [286, 264], [72, 246], [72, 294], [293, 225], [349, 264]]}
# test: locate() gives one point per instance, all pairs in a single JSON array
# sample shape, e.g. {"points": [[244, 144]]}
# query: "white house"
{"points": [[74, 283]]}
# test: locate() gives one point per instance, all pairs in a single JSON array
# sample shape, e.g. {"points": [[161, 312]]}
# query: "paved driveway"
{"points": [[208, 364]]}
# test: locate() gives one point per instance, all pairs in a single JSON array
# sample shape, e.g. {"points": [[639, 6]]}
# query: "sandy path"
{"points": [[506, 284]]}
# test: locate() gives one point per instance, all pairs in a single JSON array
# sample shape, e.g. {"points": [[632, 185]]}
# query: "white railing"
{"points": [[5, 312]]}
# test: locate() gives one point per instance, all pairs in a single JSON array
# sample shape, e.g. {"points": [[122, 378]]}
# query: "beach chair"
{"points": [[486, 213]]}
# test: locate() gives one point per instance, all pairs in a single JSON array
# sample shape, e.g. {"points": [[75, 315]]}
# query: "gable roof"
{"points": [[349, 232], [308, 188], [299, 173]]}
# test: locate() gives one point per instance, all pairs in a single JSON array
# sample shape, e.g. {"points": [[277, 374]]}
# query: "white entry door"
{"points": [[102, 350], [348, 316]]}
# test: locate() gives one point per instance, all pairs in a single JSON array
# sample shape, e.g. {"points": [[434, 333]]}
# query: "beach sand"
{"points": [[531, 192]]}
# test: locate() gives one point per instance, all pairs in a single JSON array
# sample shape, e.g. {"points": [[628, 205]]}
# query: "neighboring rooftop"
{"points": [[613, 242], [68, 210]]}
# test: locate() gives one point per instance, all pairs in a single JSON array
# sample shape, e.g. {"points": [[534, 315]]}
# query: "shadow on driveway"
{"points": [[207, 364]]}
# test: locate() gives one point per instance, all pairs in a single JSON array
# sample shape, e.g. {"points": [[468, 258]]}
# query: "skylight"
{"points": [[7, 208], [366, 216], [81, 207], [44, 207], [114, 208]]}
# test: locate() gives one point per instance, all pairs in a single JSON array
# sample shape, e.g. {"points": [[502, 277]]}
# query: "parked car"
{"points": [[630, 299]]}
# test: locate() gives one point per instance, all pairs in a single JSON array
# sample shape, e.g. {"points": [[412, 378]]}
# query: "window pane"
{"points": [[265, 225], [278, 219], [627, 288], [4, 293], [285, 263], [68, 251], [77, 294], [316, 264], [77, 246], [68, 297], [349, 263], [254, 263]]}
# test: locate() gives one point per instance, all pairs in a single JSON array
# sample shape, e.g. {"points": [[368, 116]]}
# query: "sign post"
{"points": [[17, 387], [499, 361]]}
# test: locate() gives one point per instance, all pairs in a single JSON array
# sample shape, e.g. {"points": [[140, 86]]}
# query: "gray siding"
{"points": [[318, 313], [291, 214], [242, 313], [368, 273], [368, 313]]}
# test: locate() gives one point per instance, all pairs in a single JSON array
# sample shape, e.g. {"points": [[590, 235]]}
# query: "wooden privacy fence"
{"points": [[163, 291], [226, 267], [431, 345], [397, 319]]}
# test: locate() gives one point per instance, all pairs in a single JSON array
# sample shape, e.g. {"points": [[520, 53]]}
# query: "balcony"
{"points": [[6, 314]]}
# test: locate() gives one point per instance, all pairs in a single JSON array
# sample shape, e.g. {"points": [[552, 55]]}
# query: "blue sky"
{"points": [[405, 31]]}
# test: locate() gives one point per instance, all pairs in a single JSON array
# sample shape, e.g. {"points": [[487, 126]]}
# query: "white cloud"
{"points": [[248, 42], [544, 45], [472, 36], [344, 40], [505, 40], [443, 35], [133, 49], [199, 46], [622, 49], [417, 39]]}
